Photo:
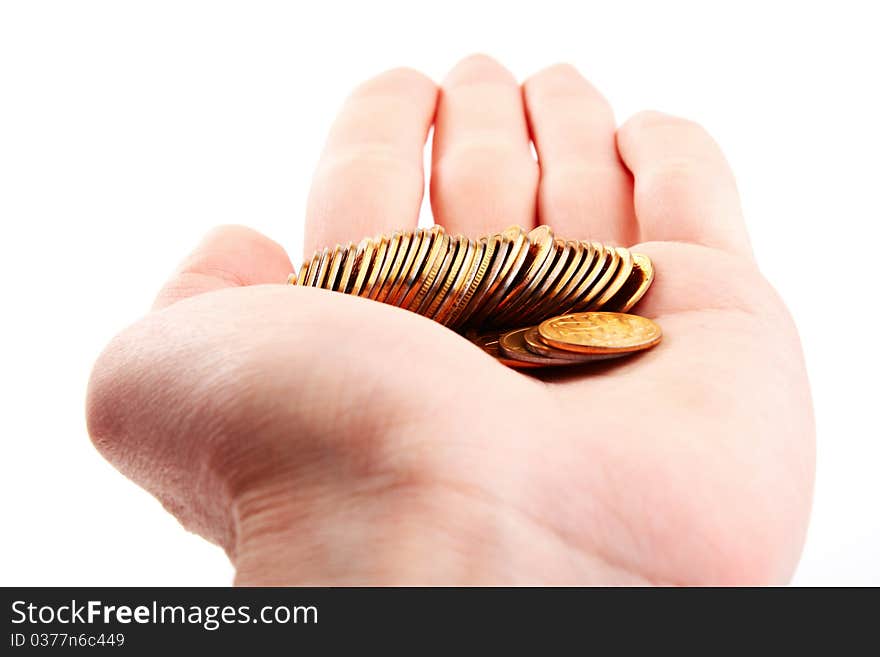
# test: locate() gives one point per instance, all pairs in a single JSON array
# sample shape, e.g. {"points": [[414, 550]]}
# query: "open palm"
{"points": [[327, 439]]}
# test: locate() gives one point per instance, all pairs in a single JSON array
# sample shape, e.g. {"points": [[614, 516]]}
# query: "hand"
{"points": [[325, 439]]}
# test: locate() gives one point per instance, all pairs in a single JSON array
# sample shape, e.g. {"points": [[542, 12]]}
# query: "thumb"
{"points": [[228, 256]]}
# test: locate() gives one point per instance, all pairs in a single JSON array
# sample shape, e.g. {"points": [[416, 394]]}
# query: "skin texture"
{"points": [[324, 439]]}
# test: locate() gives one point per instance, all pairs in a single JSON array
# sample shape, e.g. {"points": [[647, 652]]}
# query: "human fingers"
{"points": [[585, 190], [228, 256], [370, 177], [684, 188], [483, 176]]}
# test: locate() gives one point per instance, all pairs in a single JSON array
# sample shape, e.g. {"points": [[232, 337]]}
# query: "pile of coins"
{"points": [[570, 339], [509, 279]]}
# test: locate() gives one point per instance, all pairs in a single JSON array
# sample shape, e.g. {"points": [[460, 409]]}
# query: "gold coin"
{"points": [[490, 244], [334, 267], [382, 242], [488, 342], [581, 265], [624, 269], [303, 272], [542, 251], [390, 255], [438, 255], [519, 252], [567, 261], [512, 345], [634, 289], [348, 258], [586, 277], [399, 259], [536, 345], [536, 293], [291, 278], [502, 249], [363, 262], [313, 269], [600, 332], [322, 267], [462, 282], [447, 277], [601, 283], [418, 248]]}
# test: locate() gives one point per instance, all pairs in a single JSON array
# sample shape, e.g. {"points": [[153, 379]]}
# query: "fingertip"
{"points": [[478, 67], [399, 81], [560, 71], [227, 256]]}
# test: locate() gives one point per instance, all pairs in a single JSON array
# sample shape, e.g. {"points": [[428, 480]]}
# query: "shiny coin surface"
{"points": [[418, 250], [313, 269], [519, 252], [542, 251], [489, 245], [349, 256], [376, 266], [600, 332], [499, 259], [488, 342], [605, 275], [322, 267], [334, 267], [634, 289], [387, 264], [624, 269], [587, 277], [538, 293], [584, 260], [452, 250], [403, 253], [537, 346], [462, 283], [448, 275], [363, 260], [433, 265], [512, 344]]}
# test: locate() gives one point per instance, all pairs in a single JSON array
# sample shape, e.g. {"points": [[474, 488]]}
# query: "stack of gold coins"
{"points": [[509, 279]]}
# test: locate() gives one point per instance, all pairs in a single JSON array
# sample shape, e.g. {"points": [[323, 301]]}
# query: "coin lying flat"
{"points": [[514, 347], [536, 345], [488, 342], [600, 332]]}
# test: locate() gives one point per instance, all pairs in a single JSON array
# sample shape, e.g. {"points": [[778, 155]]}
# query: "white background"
{"points": [[127, 129]]}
